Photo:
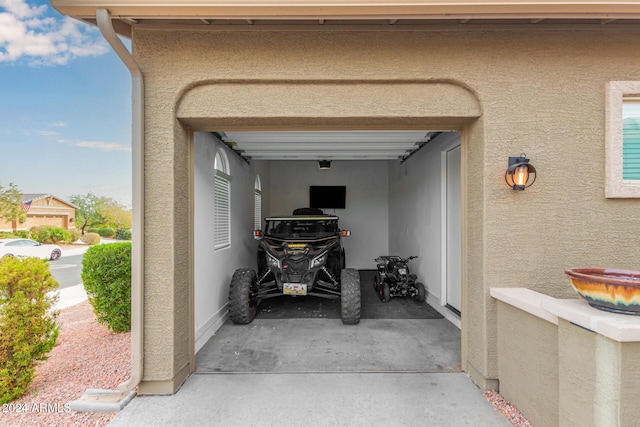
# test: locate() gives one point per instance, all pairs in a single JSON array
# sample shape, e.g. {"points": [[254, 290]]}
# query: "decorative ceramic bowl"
{"points": [[608, 289]]}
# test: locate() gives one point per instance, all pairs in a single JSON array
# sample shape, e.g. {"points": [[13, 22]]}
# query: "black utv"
{"points": [[298, 255]]}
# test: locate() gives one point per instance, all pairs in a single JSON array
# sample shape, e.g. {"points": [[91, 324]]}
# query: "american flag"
{"points": [[25, 206]]}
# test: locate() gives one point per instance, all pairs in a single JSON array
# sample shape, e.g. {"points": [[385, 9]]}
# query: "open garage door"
{"points": [[386, 209]]}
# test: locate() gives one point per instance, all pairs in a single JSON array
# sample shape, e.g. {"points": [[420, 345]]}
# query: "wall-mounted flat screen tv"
{"points": [[327, 196]]}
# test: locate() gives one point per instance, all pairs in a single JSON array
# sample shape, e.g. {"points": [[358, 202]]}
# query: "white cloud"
{"points": [[104, 146], [47, 133], [59, 124], [21, 9], [27, 34], [98, 145]]}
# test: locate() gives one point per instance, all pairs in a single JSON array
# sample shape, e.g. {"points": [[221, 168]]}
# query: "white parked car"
{"points": [[29, 248]]}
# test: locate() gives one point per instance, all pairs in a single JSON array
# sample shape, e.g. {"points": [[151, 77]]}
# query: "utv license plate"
{"points": [[295, 288]]}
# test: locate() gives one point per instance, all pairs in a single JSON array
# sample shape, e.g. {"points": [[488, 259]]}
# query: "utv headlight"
{"points": [[273, 262], [319, 261]]}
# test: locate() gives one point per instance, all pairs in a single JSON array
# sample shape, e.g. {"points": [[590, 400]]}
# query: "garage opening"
{"points": [[400, 196]]}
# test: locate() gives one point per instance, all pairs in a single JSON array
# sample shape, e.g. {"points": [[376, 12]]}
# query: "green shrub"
{"points": [[91, 230], [28, 331], [106, 275], [123, 234], [75, 235], [35, 229], [50, 234], [22, 234], [106, 232], [91, 238]]}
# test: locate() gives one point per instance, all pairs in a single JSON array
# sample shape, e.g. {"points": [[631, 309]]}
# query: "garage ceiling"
{"points": [[328, 145]]}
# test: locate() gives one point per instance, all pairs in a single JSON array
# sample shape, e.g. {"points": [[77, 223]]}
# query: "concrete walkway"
{"points": [[317, 372], [385, 399], [70, 296]]}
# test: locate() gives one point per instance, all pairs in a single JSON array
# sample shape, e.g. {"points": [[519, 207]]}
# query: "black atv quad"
{"points": [[298, 255], [394, 279]]}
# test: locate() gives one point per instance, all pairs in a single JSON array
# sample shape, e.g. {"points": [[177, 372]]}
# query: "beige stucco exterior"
{"points": [[598, 377], [509, 89], [541, 93], [528, 364], [565, 363]]}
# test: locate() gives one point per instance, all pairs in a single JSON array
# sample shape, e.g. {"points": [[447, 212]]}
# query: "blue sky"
{"points": [[65, 106]]}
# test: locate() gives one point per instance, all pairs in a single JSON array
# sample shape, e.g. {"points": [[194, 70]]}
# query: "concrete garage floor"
{"points": [[316, 345], [306, 335], [297, 364]]}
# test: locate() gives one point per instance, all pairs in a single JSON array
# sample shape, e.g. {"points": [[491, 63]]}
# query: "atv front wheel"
{"points": [[385, 292], [422, 293], [376, 283], [242, 305], [350, 296]]}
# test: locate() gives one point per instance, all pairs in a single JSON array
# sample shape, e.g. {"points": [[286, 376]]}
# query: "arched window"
{"points": [[257, 204], [222, 194]]}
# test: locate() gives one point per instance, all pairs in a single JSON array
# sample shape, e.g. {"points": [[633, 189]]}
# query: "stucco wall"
{"points": [[365, 215], [540, 93], [598, 377], [528, 364], [415, 212]]}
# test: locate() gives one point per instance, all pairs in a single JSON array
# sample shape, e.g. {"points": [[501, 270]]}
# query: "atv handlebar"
{"points": [[387, 258]]}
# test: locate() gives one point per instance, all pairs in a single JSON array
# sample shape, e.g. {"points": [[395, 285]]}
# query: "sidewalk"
{"points": [[74, 294], [70, 296]]}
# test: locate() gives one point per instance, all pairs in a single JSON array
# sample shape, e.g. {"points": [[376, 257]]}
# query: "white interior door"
{"points": [[452, 227]]}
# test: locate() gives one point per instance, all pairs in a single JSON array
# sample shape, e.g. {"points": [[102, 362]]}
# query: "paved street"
{"points": [[67, 270]]}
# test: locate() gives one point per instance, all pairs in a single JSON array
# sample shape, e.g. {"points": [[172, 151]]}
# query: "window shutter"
{"points": [[257, 210], [222, 216], [631, 149]]}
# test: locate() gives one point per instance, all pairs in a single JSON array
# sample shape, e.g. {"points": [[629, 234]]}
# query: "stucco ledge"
{"points": [[526, 300], [618, 327]]}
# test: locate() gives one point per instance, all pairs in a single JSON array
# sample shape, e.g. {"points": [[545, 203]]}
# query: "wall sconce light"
{"points": [[520, 173], [324, 164]]}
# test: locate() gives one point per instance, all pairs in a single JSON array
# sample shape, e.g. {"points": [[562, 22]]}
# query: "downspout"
{"points": [[137, 156]]}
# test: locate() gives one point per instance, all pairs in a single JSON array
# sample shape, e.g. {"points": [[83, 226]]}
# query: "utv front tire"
{"points": [[242, 306], [350, 296]]}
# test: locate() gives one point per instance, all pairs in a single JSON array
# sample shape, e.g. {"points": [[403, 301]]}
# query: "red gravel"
{"points": [[509, 411], [86, 355]]}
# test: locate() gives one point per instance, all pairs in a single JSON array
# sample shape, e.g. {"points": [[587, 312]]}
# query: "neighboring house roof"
{"points": [[30, 197]]}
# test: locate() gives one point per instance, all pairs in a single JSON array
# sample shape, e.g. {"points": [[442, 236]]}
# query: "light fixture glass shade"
{"points": [[520, 173]]}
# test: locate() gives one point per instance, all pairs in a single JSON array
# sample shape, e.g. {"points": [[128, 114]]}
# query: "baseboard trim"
{"points": [[448, 314], [210, 327]]}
